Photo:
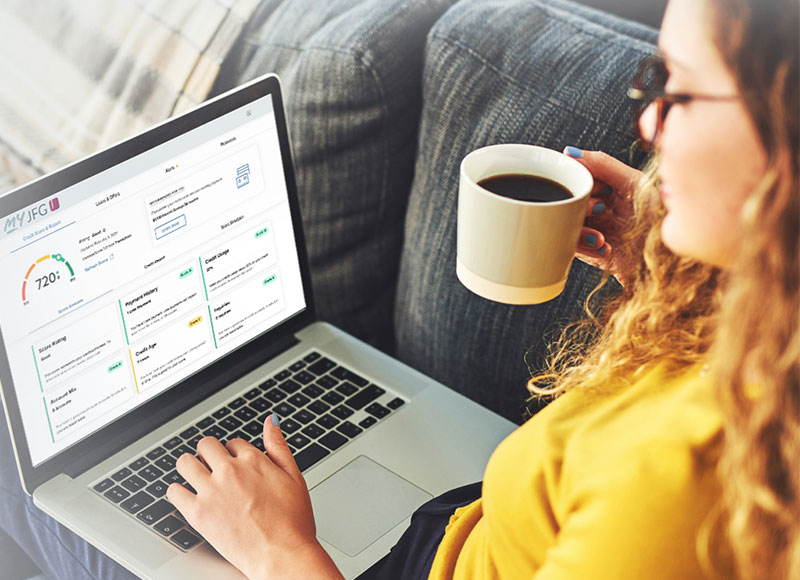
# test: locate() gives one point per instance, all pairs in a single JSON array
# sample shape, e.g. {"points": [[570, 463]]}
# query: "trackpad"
{"points": [[361, 502]]}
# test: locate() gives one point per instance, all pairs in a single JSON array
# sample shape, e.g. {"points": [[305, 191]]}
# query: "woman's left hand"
{"points": [[254, 508]]}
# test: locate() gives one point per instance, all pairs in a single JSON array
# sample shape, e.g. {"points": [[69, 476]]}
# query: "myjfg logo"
{"points": [[29, 215]]}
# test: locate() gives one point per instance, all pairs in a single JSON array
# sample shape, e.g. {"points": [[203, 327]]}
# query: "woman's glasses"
{"points": [[647, 88]]}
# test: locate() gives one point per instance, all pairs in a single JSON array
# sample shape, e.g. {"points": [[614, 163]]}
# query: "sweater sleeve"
{"points": [[638, 520]]}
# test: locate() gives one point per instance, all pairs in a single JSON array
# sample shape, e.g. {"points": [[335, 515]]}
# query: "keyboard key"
{"points": [[103, 485], [166, 463], [333, 440], [268, 384], [328, 421], [377, 410], [230, 424], [133, 483], [173, 477], [313, 391], [356, 379], [139, 501], [342, 412], [297, 366], [368, 422], [189, 433], [289, 386], [185, 539], [260, 405], [347, 428], [396, 403], [288, 426], [151, 473], [214, 431], [246, 414], [299, 400], [252, 394], [346, 388], [283, 375], [327, 382], [313, 431], [340, 373], [139, 463], [180, 450], [366, 396], [298, 440], [304, 377], [220, 413], [205, 423], [332, 398], [156, 453], [117, 494], [254, 428], [236, 403], [258, 443], [310, 455], [276, 395], [168, 525], [319, 408], [284, 409], [322, 366], [304, 417], [173, 443], [155, 512], [238, 435], [157, 489], [192, 443], [121, 474], [311, 357]]}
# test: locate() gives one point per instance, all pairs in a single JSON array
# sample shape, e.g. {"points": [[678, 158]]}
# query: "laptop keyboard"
{"points": [[322, 406]]}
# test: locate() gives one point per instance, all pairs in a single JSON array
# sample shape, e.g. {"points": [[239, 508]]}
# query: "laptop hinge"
{"points": [[243, 366]]}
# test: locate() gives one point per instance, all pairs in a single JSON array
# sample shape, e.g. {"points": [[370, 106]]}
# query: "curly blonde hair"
{"points": [[743, 321]]}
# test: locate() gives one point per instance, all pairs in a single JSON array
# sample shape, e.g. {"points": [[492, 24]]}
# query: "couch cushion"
{"points": [[351, 72], [79, 75], [550, 73]]}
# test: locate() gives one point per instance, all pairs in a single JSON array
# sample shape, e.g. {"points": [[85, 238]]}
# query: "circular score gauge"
{"points": [[46, 275]]}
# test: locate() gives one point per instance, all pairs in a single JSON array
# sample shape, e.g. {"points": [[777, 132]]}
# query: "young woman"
{"points": [[675, 450]]}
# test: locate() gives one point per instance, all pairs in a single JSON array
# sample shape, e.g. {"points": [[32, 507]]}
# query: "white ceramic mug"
{"points": [[511, 251]]}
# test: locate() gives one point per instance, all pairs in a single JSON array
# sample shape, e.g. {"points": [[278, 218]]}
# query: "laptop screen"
{"points": [[119, 287]]}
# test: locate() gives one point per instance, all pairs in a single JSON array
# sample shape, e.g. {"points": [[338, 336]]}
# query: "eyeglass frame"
{"points": [[662, 99]]}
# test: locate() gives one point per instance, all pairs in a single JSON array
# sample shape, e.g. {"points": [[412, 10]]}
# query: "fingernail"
{"points": [[602, 251], [591, 240], [598, 208], [573, 152], [275, 420], [607, 190]]}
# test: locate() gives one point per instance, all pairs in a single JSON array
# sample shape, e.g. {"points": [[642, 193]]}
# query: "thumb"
{"points": [[607, 169], [276, 447]]}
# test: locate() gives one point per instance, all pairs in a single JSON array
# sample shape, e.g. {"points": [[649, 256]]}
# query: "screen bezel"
{"points": [[182, 396]]}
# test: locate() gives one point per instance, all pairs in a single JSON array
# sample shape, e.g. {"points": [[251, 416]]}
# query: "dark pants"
{"points": [[412, 556]]}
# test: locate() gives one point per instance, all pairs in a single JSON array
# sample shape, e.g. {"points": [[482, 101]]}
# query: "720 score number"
{"points": [[47, 280]]}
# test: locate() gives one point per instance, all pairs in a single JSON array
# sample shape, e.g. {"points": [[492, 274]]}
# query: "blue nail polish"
{"points": [[598, 208], [591, 240], [275, 420], [602, 251], [607, 190], [573, 152]]}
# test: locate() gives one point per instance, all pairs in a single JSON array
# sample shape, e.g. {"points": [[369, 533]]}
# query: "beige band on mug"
{"points": [[504, 293]]}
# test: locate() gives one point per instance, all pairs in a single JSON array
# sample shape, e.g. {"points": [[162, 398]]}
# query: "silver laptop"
{"points": [[158, 292]]}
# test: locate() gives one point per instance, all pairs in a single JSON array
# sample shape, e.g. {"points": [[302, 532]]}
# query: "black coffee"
{"points": [[525, 187]]}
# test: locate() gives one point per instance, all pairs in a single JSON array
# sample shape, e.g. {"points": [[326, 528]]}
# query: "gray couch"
{"points": [[384, 99]]}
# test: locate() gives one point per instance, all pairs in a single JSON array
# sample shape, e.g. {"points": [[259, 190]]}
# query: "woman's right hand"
{"points": [[610, 206]]}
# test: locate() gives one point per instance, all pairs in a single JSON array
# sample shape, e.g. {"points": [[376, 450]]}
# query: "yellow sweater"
{"points": [[595, 486]]}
